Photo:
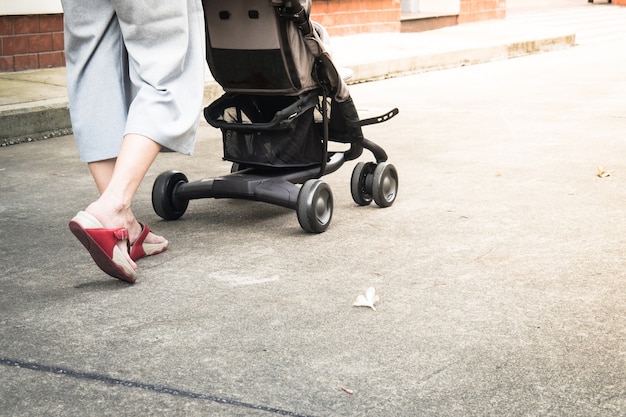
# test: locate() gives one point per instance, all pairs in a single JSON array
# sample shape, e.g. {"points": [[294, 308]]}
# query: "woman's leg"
{"points": [[166, 45], [113, 207], [102, 172], [135, 81], [97, 78]]}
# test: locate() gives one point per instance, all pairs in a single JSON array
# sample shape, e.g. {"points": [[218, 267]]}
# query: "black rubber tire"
{"points": [[314, 206], [165, 202], [385, 184], [359, 187]]}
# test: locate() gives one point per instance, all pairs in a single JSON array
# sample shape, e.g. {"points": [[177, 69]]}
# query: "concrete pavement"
{"points": [[500, 267]]}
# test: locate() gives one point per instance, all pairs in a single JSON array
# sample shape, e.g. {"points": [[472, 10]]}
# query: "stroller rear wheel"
{"points": [[361, 183], [314, 206], [164, 199]]}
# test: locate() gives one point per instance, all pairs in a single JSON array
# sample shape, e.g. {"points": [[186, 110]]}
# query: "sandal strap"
{"points": [[136, 248], [142, 236], [121, 233]]}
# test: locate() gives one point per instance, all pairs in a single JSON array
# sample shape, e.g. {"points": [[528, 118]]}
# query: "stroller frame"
{"points": [[318, 86]]}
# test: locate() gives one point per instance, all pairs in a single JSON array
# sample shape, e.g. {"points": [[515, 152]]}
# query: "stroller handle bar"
{"points": [[296, 10]]}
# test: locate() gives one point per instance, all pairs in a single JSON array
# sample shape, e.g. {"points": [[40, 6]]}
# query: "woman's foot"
{"points": [[140, 244], [111, 217], [103, 244], [147, 244], [107, 230]]}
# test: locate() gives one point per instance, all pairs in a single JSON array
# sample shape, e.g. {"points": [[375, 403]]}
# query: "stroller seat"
{"points": [[284, 102]]}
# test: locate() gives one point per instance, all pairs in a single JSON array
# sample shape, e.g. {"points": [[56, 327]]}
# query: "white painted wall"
{"points": [[443, 7], [13, 7], [440, 6]]}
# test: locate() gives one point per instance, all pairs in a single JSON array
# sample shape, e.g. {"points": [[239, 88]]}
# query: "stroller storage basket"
{"points": [[261, 130]]}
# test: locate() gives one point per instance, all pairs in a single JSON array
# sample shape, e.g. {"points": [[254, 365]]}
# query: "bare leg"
{"points": [[112, 209], [102, 172]]}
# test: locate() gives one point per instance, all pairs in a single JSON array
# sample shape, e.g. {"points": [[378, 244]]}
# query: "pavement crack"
{"points": [[160, 389]]}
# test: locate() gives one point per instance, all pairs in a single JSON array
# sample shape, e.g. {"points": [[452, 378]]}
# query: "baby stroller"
{"points": [[284, 102]]}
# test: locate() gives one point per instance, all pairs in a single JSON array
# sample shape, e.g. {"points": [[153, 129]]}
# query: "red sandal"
{"points": [[140, 249], [102, 246]]}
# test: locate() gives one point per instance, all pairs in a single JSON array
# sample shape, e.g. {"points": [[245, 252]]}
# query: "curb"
{"points": [[439, 61], [37, 121]]}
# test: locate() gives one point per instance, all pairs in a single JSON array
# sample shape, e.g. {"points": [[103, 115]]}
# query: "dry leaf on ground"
{"points": [[602, 173], [368, 299]]}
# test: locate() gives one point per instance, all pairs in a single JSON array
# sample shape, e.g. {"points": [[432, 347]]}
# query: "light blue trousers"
{"points": [[134, 66]]}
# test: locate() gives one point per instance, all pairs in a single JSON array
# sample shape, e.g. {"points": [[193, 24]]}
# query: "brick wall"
{"points": [[349, 17], [32, 41], [476, 10]]}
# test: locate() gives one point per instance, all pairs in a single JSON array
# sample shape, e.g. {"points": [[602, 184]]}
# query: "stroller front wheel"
{"points": [[164, 199], [314, 206], [385, 184]]}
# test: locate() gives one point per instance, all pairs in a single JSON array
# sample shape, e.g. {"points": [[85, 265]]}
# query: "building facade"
{"points": [[349, 17], [31, 31]]}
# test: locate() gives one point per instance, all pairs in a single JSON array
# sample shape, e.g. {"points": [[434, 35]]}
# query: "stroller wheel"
{"points": [[164, 199], [385, 184], [361, 183], [314, 206]]}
